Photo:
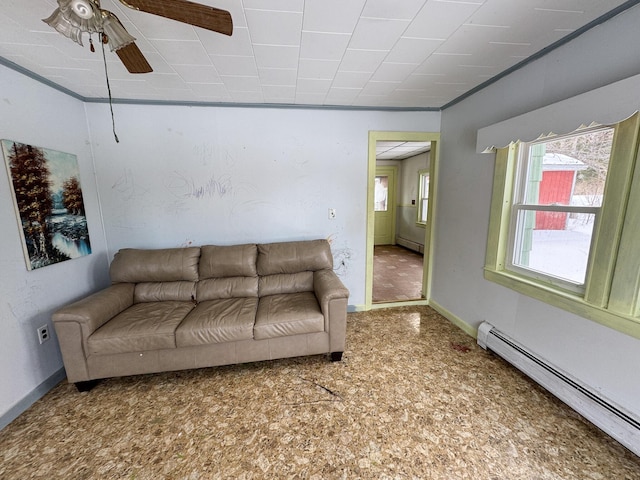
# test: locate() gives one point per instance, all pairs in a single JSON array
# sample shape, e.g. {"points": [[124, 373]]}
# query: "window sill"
{"points": [[565, 300], [420, 224]]}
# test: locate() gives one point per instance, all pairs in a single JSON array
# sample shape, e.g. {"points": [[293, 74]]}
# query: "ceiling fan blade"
{"points": [[203, 16], [133, 59]]}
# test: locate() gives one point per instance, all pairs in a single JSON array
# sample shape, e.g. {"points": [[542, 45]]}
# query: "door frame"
{"points": [[429, 231]]}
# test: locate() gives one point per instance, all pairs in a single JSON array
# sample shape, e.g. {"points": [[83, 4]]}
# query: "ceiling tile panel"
{"points": [[276, 5], [351, 80], [323, 69], [332, 16], [241, 84], [377, 33], [405, 10], [362, 60], [341, 96], [247, 97], [198, 73], [379, 88], [234, 65], [313, 85], [183, 52], [310, 98], [279, 93], [209, 90], [276, 56], [237, 44], [278, 76], [393, 72], [413, 50], [439, 19], [261, 25], [324, 46]]}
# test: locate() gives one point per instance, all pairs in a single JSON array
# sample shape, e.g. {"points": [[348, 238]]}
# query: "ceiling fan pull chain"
{"points": [[91, 47], [106, 74]]}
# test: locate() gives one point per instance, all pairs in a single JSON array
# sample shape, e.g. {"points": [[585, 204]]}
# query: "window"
{"points": [[565, 221], [381, 193], [423, 194], [557, 197]]}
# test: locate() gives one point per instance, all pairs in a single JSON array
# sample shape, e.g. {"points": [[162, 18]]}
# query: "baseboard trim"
{"points": [[355, 308], [32, 397], [453, 318]]}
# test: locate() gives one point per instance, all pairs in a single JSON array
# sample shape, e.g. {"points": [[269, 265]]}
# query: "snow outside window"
{"points": [[558, 193]]}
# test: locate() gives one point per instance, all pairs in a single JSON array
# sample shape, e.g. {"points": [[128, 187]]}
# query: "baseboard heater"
{"points": [[609, 417], [410, 244]]}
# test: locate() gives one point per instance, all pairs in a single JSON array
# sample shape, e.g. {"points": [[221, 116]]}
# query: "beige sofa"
{"points": [[183, 308]]}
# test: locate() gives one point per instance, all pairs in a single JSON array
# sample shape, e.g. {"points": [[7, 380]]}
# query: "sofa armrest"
{"points": [[332, 296], [328, 287], [74, 324]]}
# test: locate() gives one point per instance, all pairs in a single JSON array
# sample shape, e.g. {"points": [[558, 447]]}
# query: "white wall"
{"points": [[218, 175], [599, 356], [38, 115]]}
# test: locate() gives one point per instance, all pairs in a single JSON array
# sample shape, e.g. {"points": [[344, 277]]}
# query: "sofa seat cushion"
{"points": [[141, 327], [288, 314], [218, 321]]}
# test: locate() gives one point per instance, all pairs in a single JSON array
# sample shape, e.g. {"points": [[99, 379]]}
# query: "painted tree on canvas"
{"points": [[72, 196], [31, 184]]}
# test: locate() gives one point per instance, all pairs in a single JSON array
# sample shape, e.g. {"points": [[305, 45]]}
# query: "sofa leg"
{"points": [[86, 386], [336, 356]]}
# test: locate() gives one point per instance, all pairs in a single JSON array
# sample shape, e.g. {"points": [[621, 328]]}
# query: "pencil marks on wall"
{"points": [[182, 186], [127, 186]]}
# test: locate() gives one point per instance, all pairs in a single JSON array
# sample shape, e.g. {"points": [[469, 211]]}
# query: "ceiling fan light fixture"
{"points": [[116, 33], [82, 8], [61, 24], [82, 14]]}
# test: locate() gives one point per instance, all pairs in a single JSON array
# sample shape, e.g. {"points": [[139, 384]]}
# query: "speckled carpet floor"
{"points": [[414, 398]]}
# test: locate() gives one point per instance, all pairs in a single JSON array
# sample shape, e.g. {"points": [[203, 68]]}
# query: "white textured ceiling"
{"points": [[361, 53]]}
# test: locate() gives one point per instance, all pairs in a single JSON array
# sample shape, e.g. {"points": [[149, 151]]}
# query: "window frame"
{"points": [[611, 294], [521, 204]]}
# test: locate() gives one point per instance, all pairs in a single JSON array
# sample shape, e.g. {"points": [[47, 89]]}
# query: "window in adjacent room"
{"points": [[423, 196], [557, 197], [381, 193]]}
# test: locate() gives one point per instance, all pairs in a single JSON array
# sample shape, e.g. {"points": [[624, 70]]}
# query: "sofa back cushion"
{"points": [[294, 257], [164, 291], [228, 261], [287, 267], [132, 265], [227, 272], [286, 283]]}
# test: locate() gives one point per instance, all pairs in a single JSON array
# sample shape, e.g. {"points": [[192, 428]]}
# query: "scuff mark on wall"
{"points": [[342, 256]]}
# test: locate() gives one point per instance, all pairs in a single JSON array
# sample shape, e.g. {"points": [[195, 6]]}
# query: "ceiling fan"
{"points": [[72, 18]]}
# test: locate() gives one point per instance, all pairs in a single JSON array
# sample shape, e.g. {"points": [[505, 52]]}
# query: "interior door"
{"points": [[385, 206]]}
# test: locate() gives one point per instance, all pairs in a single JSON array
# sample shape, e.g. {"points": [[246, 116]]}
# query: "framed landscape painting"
{"points": [[47, 196]]}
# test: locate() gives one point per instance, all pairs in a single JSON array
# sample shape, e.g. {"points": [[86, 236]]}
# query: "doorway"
{"points": [[377, 176]]}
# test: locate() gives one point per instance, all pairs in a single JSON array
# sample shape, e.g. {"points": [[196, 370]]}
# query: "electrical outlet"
{"points": [[332, 213], [43, 334]]}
